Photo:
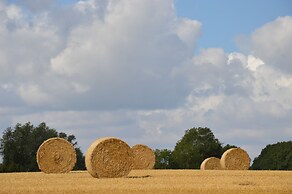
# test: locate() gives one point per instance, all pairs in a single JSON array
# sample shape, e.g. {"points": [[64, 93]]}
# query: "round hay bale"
{"points": [[235, 159], [56, 155], [144, 157], [211, 163], [109, 157]]}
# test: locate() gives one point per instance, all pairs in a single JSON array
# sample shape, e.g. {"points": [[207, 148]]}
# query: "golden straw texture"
{"points": [[211, 163], [144, 157], [109, 157], [235, 159], [56, 155]]}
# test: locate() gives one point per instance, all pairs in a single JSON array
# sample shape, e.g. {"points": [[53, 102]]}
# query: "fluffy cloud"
{"points": [[121, 59], [126, 57], [272, 41], [127, 69]]}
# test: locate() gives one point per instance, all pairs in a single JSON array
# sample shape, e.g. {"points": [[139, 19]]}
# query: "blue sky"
{"points": [[225, 20], [145, 72]]}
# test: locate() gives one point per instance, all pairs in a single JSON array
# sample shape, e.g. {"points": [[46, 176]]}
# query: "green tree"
{"points": [[19, 146], [80, 163], [274, 157], [196, 145], [163, 159]]}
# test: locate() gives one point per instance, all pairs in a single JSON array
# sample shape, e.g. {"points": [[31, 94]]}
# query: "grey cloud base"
{"points": [[128, 69]]}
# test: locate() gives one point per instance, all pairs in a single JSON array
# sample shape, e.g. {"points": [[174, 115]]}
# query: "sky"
{"points": [[145, 71]]}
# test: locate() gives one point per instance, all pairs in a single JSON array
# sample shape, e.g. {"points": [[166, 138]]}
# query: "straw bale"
{"points": [[144, 157], [211, 163], [109, 157], [56, 155], [235, 159]]}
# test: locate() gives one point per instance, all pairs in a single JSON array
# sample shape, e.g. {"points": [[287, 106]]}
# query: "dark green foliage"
{"points": [[19, 146], [80, 163], [163, 159], [274, 157], [196, 145]]}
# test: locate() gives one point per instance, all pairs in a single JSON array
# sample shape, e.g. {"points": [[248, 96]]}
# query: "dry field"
{"points": [[151, 181]]}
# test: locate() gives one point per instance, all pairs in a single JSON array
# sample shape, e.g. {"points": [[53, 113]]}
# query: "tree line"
{"points": [[274, 157], [200, 143], [195, 146], [18, 147]]}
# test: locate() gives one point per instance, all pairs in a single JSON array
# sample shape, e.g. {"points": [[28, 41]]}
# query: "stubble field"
{"points": [[151, 181]]}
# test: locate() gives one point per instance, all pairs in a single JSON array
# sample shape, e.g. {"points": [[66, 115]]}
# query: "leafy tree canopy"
{"points": [[20, 144], [163, 159], [196, 145], [274, 157]]}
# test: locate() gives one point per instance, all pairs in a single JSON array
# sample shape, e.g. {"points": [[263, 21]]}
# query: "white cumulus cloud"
{"points": [[128, 69], [272, 42]]}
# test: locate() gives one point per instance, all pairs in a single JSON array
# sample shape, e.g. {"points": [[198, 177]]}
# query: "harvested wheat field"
{"points": [[151, 181]]}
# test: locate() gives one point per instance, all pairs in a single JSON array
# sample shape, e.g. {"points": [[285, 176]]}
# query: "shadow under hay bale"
{"points": [[109, 157], [144, 157], [56, 155], [211, 163], [235, 159], [138, 177]]}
